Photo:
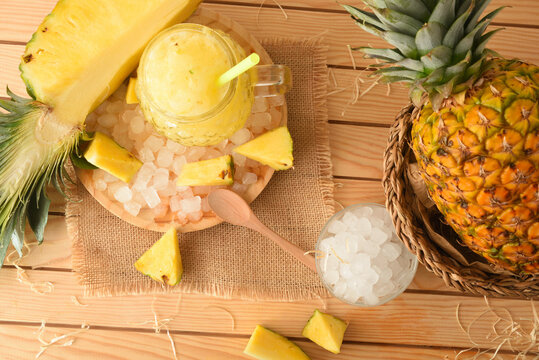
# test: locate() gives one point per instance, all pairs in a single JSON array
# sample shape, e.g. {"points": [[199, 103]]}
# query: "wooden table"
{"points": [[420, 324]]}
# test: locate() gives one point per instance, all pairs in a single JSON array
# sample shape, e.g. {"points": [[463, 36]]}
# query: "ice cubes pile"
{"points": [[153, 188], [361, 259]]}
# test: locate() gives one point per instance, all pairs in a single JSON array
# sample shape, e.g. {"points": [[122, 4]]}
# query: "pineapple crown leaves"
{"points": [[22, 185], [440, 45]]}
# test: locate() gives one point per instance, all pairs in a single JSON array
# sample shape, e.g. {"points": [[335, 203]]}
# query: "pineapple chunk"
{"points": [[218, 171], [107, 155], [162, 262], [274, 149], [325, 330], [265, 344], [131, 95]]}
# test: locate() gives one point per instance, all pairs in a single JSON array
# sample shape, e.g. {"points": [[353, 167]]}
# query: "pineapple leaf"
{"points": [[411, 64], [38, 213], [5, 238], [480, 6], [444, 12], [405, 44], [398, 72], [414, 8], [81, 162], [438, 57], [464, 6], [17, 237], [456, 31], [364, 16], [467, 42], [430, 4], [398, 22], [384, 54], [482, 43], [429, 37]]}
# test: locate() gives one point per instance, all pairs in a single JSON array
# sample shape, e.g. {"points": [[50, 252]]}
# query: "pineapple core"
{"points": [[325, 330], [273, 148], [163, 262], [107, 155], [265, 344]]}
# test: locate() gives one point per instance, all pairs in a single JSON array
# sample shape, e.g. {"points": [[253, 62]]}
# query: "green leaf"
{"points": [[17, 237], [81, 162], [364, 16], [399, 72], [482, 43], [438, 57], [456, 31], [480, 6], [5, 238], [384, 54], [411, 65], [405, 43], [398, 22], [444, 12], [38, 213], [467, 42], [460, 67], [429, 37], [413, 8], [430, 4]]}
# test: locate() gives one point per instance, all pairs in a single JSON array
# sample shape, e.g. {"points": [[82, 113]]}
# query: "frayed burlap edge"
{"points": [[325, 181]]}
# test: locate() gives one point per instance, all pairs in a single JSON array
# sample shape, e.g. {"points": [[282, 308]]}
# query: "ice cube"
{"points": [[146, 155], [261, 120], [164, 158], [154, 143], [350, 220], [372, 250], [100, 185], [249, 178], [115, 106], [352, 243], [132, 207], [383, 288], [380, 213], [195, 216], [241, 136], [191, 205], [331, 276], [340, 288], [345, 271], [391, 251], [194, 153], [202, 190], [331, 262], [169, 190], [260, 105], [337, 226], [378, 236], [175, 147], [151, 197], [160, 210], [137, 125], [175, 203], [107, 120], [365, 211], [239, 160], [275, 101], [351, 295], [160, 179], [371, 299], [363, 287], [205, 206], [396, 268], [146, 171], [377, 222], [222, 145], [123, 194], [364, 226], [178, 163], [360, 263], [276, 117], [239, 188], [371, 275]]}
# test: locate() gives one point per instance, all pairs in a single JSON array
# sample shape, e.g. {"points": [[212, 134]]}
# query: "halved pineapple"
{"points": [[218, 171], [77, 57], [265, 344], [273, 148], [325, 330], [108, 155], [163, 262]]}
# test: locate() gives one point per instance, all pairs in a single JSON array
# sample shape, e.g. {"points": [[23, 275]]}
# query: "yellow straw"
{"points": [[238, 69]]}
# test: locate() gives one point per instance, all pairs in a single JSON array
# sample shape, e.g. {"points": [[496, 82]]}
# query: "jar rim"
{"points": [[231, 91]]}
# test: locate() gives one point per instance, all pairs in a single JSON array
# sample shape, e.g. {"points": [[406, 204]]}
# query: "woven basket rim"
{"points": [[412, 232]]}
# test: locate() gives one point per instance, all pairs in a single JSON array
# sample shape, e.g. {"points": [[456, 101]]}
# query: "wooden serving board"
{"points": [[144, 219]]}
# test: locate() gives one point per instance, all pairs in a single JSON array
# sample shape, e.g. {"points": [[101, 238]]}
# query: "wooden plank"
{"points": [[19, 18], [337, 29], [412, 318], [20, 342]]}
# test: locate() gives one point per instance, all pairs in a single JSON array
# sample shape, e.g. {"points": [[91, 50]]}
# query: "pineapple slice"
{"points": [[163, 262], [265, 344], [77, 57], [274, 149], [218, 171], [325, 330], [107, 155], [131, 95]]}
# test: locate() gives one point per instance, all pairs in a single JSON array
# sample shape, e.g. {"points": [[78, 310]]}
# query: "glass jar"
{"points": [[177, 85]]}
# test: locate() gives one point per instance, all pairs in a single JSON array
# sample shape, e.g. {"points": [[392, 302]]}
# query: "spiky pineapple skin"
{"points": [[480, 161]]}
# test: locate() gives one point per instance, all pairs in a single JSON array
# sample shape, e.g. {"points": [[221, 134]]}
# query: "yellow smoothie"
{"points": [[178, 90]]}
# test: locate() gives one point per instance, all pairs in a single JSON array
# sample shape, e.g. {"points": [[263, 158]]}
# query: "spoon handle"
{"points": [[286, 245]]}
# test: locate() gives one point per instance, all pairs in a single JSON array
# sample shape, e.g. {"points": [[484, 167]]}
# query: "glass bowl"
{"points": [[403, 268]]}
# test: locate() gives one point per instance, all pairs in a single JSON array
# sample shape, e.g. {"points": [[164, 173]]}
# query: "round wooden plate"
{"points": [[144, 219]]}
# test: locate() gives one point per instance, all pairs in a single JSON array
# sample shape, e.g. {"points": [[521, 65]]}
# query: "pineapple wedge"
{"points": [[218, 171], [163, 262], [131, 95], [325, 330], [274, 149], [107, 155], [265, 344]]}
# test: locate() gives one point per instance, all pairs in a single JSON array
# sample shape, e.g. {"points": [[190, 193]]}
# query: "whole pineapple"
{"points": [[476, 133]]}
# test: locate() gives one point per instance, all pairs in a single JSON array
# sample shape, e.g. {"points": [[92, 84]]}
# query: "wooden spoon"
{"points": [[231, 207]]}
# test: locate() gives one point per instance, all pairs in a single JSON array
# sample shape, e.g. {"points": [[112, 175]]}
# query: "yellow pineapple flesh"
{"points": [[480, 161]]}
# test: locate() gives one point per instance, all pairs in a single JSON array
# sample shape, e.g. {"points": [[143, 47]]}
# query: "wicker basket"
{"points": [[401, 203]]}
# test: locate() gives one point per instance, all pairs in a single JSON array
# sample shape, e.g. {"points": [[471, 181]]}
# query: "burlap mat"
{"points": [[229, 261]]}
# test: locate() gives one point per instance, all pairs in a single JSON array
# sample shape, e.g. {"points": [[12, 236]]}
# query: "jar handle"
{"points": [[271, 80]]}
